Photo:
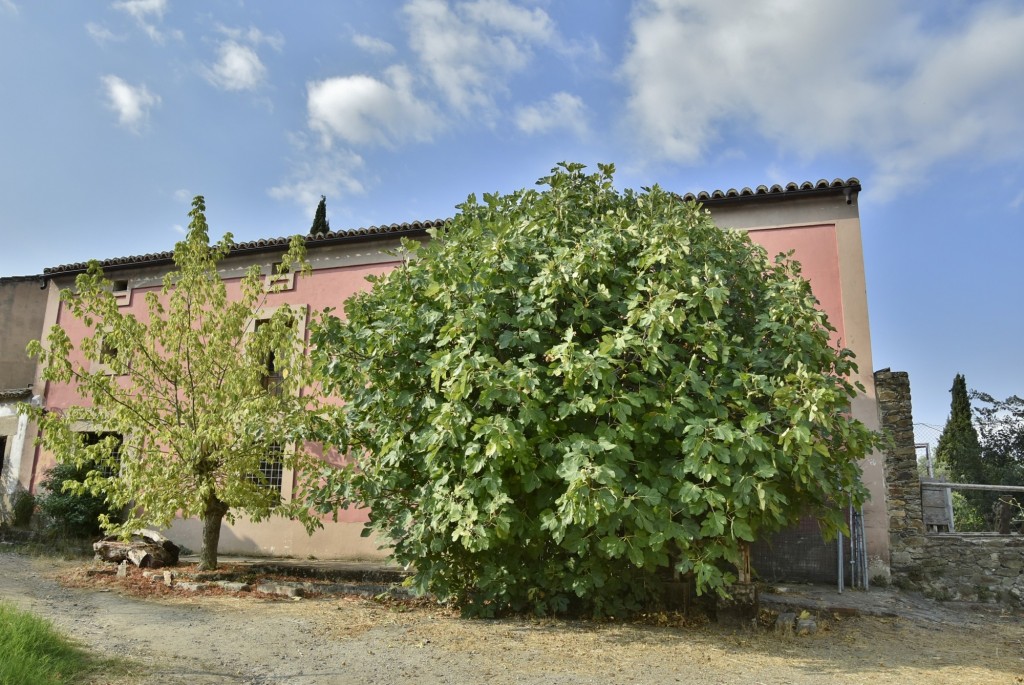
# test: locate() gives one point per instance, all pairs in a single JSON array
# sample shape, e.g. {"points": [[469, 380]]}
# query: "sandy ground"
{"points": [[187, 639]]}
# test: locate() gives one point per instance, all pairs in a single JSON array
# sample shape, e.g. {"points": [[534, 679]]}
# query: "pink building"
{"points": [[819, 221]]}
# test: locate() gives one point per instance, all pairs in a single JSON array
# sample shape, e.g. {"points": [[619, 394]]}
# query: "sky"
{"points": [[115, 114]]}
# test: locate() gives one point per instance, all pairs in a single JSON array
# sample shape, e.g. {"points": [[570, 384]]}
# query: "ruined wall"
{"points": [[981, 567]]}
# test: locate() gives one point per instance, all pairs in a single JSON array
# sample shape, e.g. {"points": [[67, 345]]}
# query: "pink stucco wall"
{"points": [[817, 250], [322, 288], [815, 246]]}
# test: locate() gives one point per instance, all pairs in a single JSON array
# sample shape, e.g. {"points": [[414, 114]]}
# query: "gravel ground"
{"points": [[181, 639]]}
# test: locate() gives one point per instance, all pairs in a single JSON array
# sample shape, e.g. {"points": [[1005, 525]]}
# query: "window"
{"points": [[112, 466], [121, 289], [272, 378], [109, 353], [3, 452], [278, 279], [271, 474]]}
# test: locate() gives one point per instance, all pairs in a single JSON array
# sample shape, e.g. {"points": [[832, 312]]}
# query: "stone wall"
{"points": [[976, 567], [902, 484]]}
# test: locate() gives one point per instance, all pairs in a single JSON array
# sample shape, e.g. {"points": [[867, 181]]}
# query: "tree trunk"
{"points": [[212, 517]]}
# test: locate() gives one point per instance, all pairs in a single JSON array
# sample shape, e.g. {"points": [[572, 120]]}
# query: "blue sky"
{"points": [[114, 114]]}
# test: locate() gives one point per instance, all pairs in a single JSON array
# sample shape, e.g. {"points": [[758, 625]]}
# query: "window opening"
{"points": [[271, 473], [113, 467]]}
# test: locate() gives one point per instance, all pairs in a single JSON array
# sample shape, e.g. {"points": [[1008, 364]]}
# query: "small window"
{"points": [[272, 377], [108, 351], [3, 452], [271, 474], [109, 468], [278, 278], [121, 289]]}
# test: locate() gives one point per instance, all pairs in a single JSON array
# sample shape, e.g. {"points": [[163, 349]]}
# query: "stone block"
{"points": [[785, 623], [806, 626]]}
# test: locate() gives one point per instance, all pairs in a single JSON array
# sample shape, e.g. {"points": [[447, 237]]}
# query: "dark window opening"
{"points": [[119, 286], [271, 473], [108, 351], [3, 452], [112, 467], [273, 379]]}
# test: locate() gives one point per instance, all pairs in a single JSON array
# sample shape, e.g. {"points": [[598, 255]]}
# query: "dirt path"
{"points": [[200, 640]]}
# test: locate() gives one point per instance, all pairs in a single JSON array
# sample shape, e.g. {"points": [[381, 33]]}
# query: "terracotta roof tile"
{"points": [[419, 228], [356, 235], [775, 191]]}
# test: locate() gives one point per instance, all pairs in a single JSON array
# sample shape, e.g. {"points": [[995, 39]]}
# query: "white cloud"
{"points": [[9, 6], [1017, 201], [374, 46], [333, 173], [561, 111], [237, 68], [364, 110], [147, 14], [183, 195], [875, 78], [101, 34], [178, 228], [131, 103], [469, 48], [253, 36]]}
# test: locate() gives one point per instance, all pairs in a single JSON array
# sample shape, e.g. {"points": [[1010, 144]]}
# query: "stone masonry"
{"points": [[976, 567]]}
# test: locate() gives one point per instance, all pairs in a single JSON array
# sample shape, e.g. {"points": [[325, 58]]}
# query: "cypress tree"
{"points": [[959, 449], [320, 223]]}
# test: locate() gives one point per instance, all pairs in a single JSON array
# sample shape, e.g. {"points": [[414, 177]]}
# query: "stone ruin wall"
{"points": [[976, 567]]}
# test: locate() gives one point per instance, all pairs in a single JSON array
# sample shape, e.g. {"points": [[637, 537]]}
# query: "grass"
{"points": [[32, 651]]}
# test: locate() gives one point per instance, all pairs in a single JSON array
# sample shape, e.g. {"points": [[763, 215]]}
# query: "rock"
{"points": [[784, 623], [122, 569], [280, 589], [806, 626], [145, 549], [233, 586], [190, 587], [168, 579]]}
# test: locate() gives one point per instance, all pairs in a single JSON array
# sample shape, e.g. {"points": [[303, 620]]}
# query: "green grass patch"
{"points": [[32, 651]]}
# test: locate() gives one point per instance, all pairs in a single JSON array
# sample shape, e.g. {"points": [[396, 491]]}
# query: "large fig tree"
{"points": [[570, 393]]}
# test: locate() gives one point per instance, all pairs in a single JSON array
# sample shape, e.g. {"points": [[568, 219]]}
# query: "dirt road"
{"points": [[195, 640]]}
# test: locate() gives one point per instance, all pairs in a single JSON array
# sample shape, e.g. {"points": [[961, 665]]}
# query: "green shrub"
{"points": [[66, 513], [22, 508], [966, 517]]}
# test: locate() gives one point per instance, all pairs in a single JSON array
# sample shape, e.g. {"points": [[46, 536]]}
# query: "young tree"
{"points": [[320, 223], [958, 449], [569, 393], [181, 393]]}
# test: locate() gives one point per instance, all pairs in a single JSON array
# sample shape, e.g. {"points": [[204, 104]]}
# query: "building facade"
{"points": [[819, 222], [22, 310]]}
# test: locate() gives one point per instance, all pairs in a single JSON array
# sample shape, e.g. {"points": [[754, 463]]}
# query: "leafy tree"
{"points": [[1001, 433], [320, 223], [959, 450], [1001, 428], [185, 385], [571, 393]]}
